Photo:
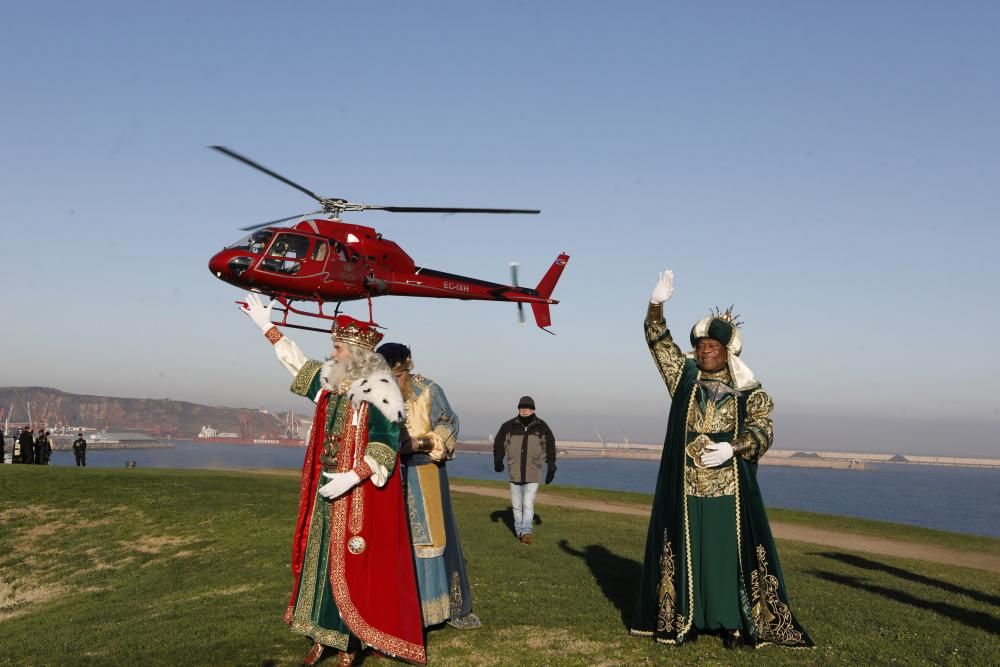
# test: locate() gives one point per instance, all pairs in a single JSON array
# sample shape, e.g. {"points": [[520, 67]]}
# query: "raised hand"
{"points": [[258, 312], [664, 287]]}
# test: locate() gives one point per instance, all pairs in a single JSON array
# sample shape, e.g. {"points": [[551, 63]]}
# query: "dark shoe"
{"points": [[526, 538], [314, 655], [731, 639]]}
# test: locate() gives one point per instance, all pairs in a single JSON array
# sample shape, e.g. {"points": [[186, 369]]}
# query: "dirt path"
{"points": [[783, 531]]}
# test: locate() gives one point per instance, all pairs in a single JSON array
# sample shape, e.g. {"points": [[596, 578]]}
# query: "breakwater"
{"points": [[776, 457]]}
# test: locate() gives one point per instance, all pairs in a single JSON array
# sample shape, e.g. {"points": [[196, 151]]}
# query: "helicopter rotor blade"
{"points": [[278, 221], [259, 167], [436, 209]]}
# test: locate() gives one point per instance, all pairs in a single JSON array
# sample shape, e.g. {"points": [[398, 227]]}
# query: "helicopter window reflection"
{"points": [[319, 252]]}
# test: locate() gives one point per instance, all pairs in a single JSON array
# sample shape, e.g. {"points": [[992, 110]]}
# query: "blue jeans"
{"points": [[522, 498]]}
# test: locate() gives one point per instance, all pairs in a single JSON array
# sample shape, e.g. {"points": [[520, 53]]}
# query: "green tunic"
{"points": [[315, 614], [710, 561]]}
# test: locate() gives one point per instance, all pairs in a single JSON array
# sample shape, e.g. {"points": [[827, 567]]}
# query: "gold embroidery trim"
{"points": [[759, 424], [338, 583], [667, 618], [454, 595], [666, 354], [301, 620], [771, 616], [304, 378], [331, 443], [710, 482], [355, 435], [382, 454], [714, 417], [436, 610]]}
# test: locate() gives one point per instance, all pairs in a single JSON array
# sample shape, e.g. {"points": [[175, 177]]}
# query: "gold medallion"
{"points": [[696, 449], [356, 545]]}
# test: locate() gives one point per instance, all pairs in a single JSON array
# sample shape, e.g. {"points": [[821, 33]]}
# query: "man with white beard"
{"points": [[354, 583]]}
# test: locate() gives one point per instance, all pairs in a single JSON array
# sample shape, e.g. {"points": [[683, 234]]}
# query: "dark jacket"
{"points": [[524, 448], [27, 443]]}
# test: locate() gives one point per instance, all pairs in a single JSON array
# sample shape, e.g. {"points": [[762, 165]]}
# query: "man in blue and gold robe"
{"points": [[427, 442]]}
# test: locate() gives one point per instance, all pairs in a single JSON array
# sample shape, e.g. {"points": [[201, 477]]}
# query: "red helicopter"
{"points": [[327, 260]]}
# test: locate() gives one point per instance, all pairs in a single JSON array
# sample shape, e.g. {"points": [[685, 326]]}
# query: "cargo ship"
{"points": [[210, 435]]}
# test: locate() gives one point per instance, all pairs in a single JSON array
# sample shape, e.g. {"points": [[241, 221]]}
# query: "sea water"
{"points": [[964, 500]]}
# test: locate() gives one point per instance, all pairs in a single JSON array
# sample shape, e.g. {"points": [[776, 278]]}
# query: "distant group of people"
{"points": [[29, 448]]}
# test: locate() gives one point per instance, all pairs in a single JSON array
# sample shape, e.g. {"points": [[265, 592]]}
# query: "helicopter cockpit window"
{"points": [[291, 246], [319, 252], [259, 239], [255, 242], [283, 253]]}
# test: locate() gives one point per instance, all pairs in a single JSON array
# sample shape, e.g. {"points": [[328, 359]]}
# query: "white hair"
{"points": [[360, 363]]}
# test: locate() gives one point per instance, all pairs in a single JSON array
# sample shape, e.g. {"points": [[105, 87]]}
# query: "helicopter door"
{"points": [[289, 255], [345, 264]]}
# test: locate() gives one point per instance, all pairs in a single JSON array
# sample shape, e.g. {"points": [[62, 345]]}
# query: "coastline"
{"points": [[800, 458]]}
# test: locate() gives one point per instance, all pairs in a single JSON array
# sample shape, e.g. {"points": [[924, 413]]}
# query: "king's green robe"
{"points": [[710, 561]]}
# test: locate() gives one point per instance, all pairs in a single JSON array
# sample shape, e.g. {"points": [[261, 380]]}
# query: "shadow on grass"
{"points": [[864, 563], [507, 516], [968, 617], [617, 576]]}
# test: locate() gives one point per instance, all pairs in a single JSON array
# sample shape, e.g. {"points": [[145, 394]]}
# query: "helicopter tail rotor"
{"points": [[513, 282]]}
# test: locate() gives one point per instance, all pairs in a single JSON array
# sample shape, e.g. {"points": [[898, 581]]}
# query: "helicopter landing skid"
{"points": [[289, 308]]}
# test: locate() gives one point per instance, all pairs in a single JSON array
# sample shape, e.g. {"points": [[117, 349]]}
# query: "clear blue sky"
{"points": [[829, 168]]}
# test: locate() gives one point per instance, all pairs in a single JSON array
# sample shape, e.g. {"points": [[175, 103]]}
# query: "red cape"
{"points": [[375, 590]]}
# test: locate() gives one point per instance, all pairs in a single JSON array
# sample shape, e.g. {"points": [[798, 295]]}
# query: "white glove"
{"points": [[339, 484], [664, 287], [717, 454], [258, 312]]}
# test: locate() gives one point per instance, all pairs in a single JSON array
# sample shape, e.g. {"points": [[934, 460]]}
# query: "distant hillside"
{"points": [[161, 416]]}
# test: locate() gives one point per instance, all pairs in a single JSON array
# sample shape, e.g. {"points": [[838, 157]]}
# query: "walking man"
{"points": [[80, 450], [524, 442]]}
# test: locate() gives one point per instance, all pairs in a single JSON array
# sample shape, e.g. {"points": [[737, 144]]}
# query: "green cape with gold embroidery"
{"points": [[664, 609]]}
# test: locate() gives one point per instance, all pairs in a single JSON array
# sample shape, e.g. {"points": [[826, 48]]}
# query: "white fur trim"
{"points": [[381, 390]]}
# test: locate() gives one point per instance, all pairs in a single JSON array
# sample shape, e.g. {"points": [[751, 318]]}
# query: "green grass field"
{"points": [[153, 567]]}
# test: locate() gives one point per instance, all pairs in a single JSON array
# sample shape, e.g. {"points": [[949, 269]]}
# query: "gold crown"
{"points": [[349, 330], [727, 315]]}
